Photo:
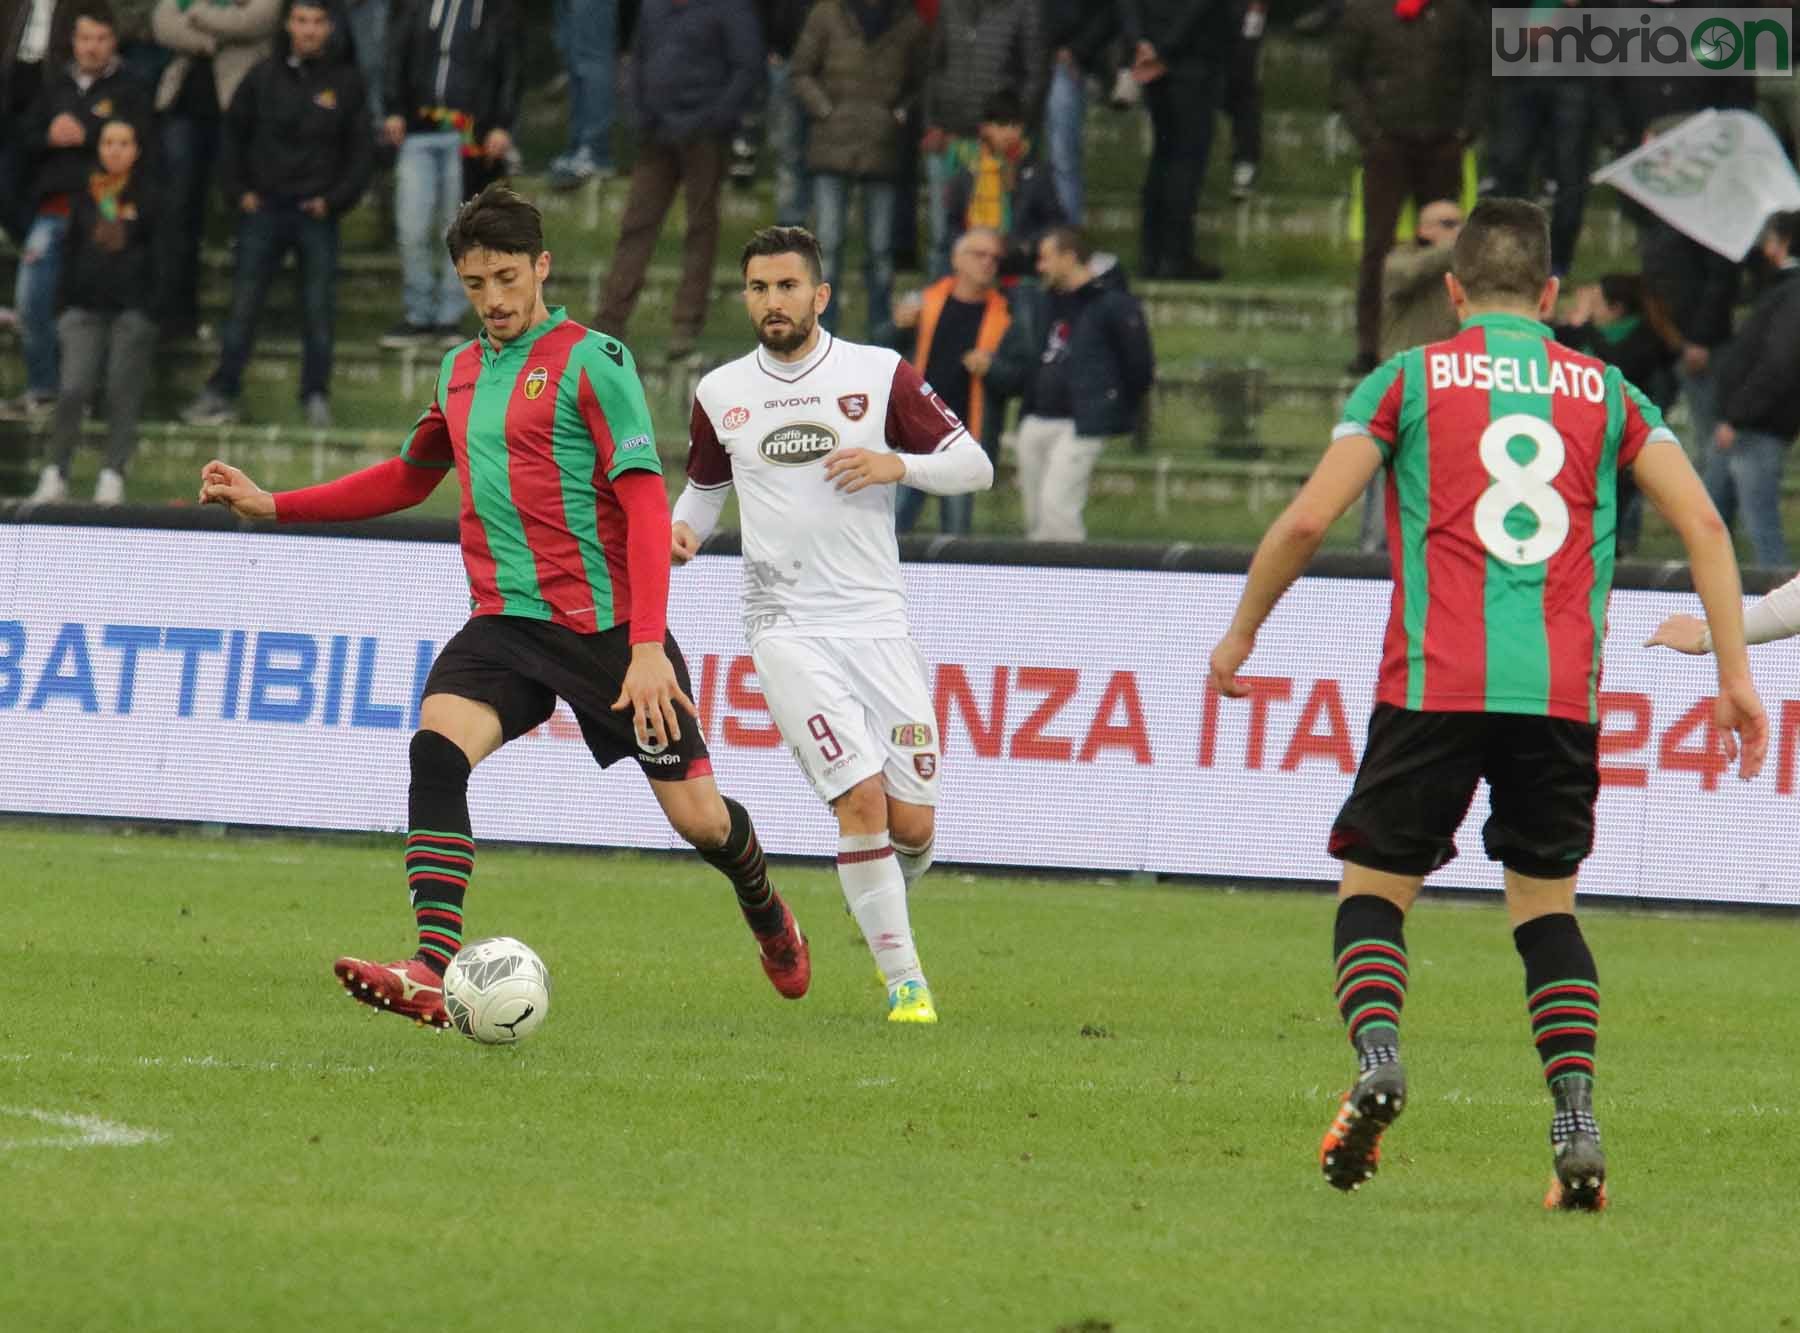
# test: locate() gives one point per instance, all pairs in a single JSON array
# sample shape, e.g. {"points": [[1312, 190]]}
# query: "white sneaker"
{"points": [[110, 488], [318, 411], [51, 488], [1243, 180]]}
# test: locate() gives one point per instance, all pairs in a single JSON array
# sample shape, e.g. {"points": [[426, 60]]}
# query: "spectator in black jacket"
{"points": [[1004, 187], [1078, 352], [295, 156], [452, 94], [1759, 401], [34, 40], [108, 302], [695, 66], [978, 48], [59, 133], [1078, 35]]}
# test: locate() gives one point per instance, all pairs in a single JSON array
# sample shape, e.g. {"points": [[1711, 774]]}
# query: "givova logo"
{"points": [[1632, 42]]}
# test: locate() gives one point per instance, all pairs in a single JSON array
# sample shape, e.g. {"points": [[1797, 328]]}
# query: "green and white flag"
{"points": [[1715, 177]]}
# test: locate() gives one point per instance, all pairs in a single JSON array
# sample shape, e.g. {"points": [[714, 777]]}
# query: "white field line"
{"points": [[80, 1131]]}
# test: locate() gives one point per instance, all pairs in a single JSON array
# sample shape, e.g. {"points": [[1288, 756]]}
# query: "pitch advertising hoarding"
{"points": [[269, 679]]}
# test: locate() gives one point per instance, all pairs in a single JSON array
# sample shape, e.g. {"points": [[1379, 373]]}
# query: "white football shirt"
{"points": [[817, 562]]}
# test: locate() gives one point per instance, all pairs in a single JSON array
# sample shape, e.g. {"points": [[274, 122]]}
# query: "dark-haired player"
{"points": [[814, 432], [565, 537], [1503, 452]]}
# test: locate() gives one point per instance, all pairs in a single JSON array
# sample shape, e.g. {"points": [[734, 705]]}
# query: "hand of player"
{"points": [[1743, 726], [1230, 654], [684, 544], [222, 484], [853, 470], [977, 362], [1685, 634], [393, 129], [652, 693], [496, 146]]}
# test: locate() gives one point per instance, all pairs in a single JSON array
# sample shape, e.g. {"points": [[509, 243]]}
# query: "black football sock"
{"points": [[740, 860], [1370, 946], [1562, 995], [440, 852]]}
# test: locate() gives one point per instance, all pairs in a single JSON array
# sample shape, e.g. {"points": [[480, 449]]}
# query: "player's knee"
{"points": [[705, 826], [436, 760], [911, 825], [862, 809]]}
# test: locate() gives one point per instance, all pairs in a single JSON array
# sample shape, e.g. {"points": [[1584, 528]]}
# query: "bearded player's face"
{"points": [[783, 300], [505, 289]]}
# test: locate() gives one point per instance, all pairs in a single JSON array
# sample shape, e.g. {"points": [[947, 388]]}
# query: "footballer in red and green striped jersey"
{"points": [[1503, 451], [538, 429], [565, 534]]}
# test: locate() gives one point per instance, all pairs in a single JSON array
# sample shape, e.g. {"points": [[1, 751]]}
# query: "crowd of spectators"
{"points": [[950, 131]]}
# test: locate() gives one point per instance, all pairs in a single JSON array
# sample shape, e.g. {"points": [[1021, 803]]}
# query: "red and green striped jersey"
{"points": [[537, 431], [1503, 450]]}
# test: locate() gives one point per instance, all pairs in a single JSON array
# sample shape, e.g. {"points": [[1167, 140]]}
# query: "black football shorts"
{"points": [[1418, 776], [520, 668]]}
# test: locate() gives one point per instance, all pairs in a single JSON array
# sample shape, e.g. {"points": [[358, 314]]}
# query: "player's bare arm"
{"points": [[1669, 482], [1289, 545], [853, 470], [222, 484]]}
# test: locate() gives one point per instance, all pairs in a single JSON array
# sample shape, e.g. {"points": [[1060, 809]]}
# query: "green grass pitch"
{"points": [[1114, 1126]]}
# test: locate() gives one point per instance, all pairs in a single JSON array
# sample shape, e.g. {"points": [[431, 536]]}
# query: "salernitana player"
{"points": [[565, 535], [1502, 452]]}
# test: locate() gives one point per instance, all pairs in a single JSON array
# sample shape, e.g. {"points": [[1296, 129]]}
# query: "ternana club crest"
{"points": [[535, 381], [854, 405]]}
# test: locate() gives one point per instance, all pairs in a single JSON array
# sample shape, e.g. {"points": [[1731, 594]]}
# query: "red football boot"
{"points": [[785, 957], [407, 988]]}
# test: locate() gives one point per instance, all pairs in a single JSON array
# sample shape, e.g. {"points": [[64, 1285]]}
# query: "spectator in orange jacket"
{"points": [[950, 332]]}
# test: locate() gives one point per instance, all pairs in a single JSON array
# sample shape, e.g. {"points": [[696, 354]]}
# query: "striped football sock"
{"points": [[1370, 943]]}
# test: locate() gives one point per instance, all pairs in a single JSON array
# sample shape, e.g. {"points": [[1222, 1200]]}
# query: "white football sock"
{"points": [[876, 892], [914, 861]]}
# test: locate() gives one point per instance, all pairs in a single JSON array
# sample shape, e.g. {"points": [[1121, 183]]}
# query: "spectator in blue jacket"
{"points": [[696, 65], [1078, 354]]}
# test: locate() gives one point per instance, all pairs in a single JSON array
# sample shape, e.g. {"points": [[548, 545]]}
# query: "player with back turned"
{"points": [[1502, 451], [814, 432], [564, 530]]}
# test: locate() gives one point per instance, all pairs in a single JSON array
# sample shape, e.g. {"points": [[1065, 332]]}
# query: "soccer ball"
{"points": [[496, 990]]}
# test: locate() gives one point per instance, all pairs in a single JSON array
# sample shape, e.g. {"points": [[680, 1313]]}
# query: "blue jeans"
{"points": [[586, 34], [190, 146], [263, 241], [1065, 110], [956, 513], [368, 31], [428, 183], [1747, 477], [831, 200], [787, 136], [1702, 401], [34, 295]]}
